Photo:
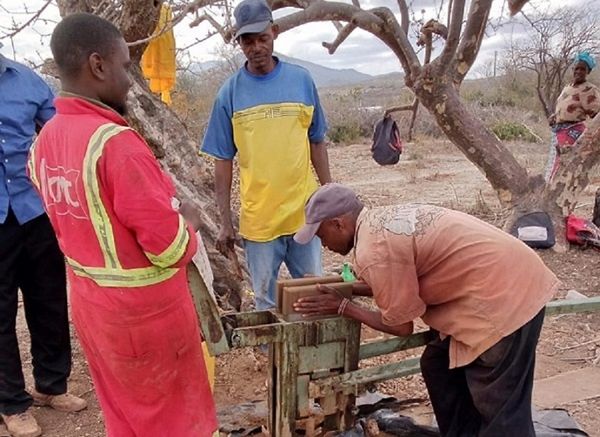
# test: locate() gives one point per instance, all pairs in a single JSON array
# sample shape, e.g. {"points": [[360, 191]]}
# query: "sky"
{"points": [[361, 51]]}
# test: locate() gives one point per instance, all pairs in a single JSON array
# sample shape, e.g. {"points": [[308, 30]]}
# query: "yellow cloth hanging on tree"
{"points": [[158, 61]]}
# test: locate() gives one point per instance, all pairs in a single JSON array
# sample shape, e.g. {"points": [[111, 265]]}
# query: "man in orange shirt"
{"points": [[125, 245], [481, 289]]}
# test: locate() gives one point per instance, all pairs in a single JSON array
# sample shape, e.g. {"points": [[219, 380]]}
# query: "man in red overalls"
{"points": [[126, 246]]}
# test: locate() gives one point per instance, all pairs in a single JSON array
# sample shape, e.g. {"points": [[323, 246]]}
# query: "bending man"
{"points": [[481, 289]]}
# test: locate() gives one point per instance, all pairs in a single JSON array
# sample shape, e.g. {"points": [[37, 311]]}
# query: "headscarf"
{"points": [[587, 58]]}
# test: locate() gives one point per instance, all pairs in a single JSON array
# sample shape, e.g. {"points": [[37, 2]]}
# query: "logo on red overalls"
{"points": [[59, 190]]}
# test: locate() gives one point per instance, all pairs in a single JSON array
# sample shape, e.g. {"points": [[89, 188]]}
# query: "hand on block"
{"points": [[314, 301], [307, 280]]}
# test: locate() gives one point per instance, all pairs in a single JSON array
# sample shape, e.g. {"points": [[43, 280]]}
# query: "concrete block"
{"points": [[291, 294], [310, 280]]}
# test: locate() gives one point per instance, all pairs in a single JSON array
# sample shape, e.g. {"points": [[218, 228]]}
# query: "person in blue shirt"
{"points": [[269, 115], [30, 260]]}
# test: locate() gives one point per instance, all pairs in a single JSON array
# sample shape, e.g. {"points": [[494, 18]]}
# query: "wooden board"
{"points": [[567, 388]]}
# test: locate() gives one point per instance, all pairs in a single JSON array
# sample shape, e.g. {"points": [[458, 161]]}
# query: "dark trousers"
{"points": [[490, 397], [31, 260]]}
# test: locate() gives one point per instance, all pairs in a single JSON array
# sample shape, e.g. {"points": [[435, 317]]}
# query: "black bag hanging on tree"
{"points": [[387, 146]]}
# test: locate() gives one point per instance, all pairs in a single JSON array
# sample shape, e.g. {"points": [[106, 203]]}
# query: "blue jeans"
{"points": [[264, 261]]}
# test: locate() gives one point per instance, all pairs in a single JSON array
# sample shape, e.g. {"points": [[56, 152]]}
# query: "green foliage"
{"points": [[346, 133], [511, 131]]}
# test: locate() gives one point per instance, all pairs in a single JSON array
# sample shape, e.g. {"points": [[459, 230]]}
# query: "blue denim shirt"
{"points": [[26, 103]]}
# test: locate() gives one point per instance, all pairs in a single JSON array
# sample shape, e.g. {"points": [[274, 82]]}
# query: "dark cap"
{"points": [[252, 16], [329, 201]]}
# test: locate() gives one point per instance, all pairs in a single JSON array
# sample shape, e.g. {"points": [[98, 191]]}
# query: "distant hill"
{"points": [[323, 76]]}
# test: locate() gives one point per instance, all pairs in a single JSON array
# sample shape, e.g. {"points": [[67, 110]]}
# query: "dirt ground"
{"points": [[430, 172]]}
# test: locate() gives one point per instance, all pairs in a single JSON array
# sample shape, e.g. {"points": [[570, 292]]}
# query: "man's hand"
{"points": [[190, 214], [226, 240], [323, 304]]}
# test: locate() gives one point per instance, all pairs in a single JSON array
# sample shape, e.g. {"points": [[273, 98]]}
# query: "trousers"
{"points": [[490, 397], [30, 260]]}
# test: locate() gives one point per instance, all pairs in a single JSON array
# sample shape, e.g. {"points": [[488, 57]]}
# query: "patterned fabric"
{"points": [[577, 102], [564, 136]]}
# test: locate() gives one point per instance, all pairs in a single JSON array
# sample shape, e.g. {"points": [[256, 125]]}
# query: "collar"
{"points": [[359, 221], [271, 74], [71, 103], [6, 64]]}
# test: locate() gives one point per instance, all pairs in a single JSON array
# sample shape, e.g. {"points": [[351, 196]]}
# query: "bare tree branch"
{"points": [[472, 38], [379, 22], [340, 38], [516, 5], [457, 13], [398, 36], [66, 7], [33, 18], [404, 18], [552, 40], [398, 109]]}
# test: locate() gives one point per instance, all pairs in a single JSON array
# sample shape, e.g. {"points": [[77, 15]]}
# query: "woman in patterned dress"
{"points": [[578, 101]]}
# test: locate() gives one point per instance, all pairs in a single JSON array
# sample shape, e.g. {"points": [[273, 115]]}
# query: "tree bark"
{"points": [[179, 155], [508, 178]]}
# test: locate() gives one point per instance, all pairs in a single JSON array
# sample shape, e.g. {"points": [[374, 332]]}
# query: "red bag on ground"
{"points": [[582, 232]]}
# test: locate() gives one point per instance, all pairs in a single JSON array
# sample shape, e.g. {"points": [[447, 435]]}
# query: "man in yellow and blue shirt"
{"points": [[268, 113]]}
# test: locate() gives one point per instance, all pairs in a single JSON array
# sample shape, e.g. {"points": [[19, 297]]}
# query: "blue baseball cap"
{"points": [[252, 16]]}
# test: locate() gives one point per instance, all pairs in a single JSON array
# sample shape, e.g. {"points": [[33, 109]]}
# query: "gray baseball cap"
{"points": [[252, 16], [329, 201]]}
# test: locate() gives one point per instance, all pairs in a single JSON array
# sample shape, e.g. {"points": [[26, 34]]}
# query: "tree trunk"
{"points": [[178, 153], [518, 192], [508, 178]]}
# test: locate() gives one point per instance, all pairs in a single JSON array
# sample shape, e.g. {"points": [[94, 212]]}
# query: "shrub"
{"points": [[511, 131], [345, 133]]}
